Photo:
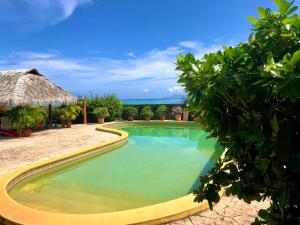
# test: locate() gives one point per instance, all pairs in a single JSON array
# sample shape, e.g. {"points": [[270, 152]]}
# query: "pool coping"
{"points": [[12, 212]]}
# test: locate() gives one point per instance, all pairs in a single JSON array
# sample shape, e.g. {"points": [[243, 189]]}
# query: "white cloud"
{"points": [[34, 55], [130, 54], [154, 70], [189, 44], [69, 6], [176, 89], [36, 14], [153, 64]]}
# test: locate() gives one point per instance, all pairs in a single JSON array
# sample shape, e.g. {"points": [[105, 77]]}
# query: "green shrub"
{"points": [[161, 110], [248, 98], [70, 113], [130, 111], [147, 112], [111, 102], [27, 117], [101, 112]]}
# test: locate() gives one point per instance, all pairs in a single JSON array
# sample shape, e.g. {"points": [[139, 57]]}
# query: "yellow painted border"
{"points": [[12, 212]]}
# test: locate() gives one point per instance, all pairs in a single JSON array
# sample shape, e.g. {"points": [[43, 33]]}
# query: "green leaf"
{"points": [[279, 3], [252, 19], [262, 12], [274, 125], [284, 7], [292, 10], [251, 38], [296, 57], [263, 214]]}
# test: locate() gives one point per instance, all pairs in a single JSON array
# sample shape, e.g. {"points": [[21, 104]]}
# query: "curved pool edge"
{"points": [[12, 212]]}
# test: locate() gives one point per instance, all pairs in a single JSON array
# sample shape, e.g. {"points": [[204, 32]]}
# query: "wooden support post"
{"points": [[49, 113], [84, 112]]}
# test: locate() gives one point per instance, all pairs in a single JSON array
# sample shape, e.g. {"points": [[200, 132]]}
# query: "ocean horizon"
{"points": [[166, 101]]}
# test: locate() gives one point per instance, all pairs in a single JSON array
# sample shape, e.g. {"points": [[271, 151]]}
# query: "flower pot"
{"points": [[185, 116], [162, 117], [178, 117], [130, 118], [26, 133], [101, 120], [40, 125], [147, 118], [69, 124], [2, 107]]}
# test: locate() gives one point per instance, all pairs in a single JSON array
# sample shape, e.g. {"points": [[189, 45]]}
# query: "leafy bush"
{"points": [[130, 111], [101, 112], [111, 102], [70, 113], [26, 117], [147, 112], [161, 110], [248, 97]]}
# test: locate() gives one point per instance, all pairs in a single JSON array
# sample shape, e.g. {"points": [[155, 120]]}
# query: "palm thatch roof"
{"points": [[29, 87]]}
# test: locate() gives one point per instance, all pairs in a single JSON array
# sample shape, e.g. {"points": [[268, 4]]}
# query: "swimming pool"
{"points": [[156, 165], [149, 178]]}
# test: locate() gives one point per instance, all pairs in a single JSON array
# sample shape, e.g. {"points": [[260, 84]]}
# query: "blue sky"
{"points": [[126, 47]]}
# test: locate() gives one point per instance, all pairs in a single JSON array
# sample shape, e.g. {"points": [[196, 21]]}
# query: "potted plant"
{"points": [[69, 113], [41, 118], [177, 111], [186, 114], [24, 118], [161, 112], [147, 112], [130, 112], [101, 113]]}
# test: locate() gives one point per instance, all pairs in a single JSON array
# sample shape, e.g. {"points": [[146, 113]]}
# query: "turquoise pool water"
{"points": [[156, 165]]}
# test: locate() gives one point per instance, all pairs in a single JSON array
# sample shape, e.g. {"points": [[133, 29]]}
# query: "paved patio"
{"points": [[19, 152], [229, 211]]}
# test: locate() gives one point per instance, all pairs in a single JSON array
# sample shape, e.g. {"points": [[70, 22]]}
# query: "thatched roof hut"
{"points": [[29, 87]]}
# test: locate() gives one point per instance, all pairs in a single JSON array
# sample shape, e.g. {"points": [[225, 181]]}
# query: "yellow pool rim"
{"points": [[12, 212]]}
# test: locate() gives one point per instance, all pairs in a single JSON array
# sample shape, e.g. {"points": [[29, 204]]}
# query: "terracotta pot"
{"points": [[63, 124], [185, 116], [130, 118], [178, 117], [101, 120], [69, 124], [26, 133], [2, 107], [147, 118], [40, 125], [162, 117]]}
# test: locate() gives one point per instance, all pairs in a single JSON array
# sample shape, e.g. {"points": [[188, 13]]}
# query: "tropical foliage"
{"points": [[101, 112], [146, 112], [111, 102], [248, 97], [130, 111], [26, 117], [69, 113], [161, 110]]}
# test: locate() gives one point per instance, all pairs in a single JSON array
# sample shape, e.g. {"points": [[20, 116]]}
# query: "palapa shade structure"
{"points": [[29, 87]]}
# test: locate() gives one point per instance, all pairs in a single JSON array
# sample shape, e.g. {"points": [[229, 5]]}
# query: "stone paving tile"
{"points": [[229, 211]]}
